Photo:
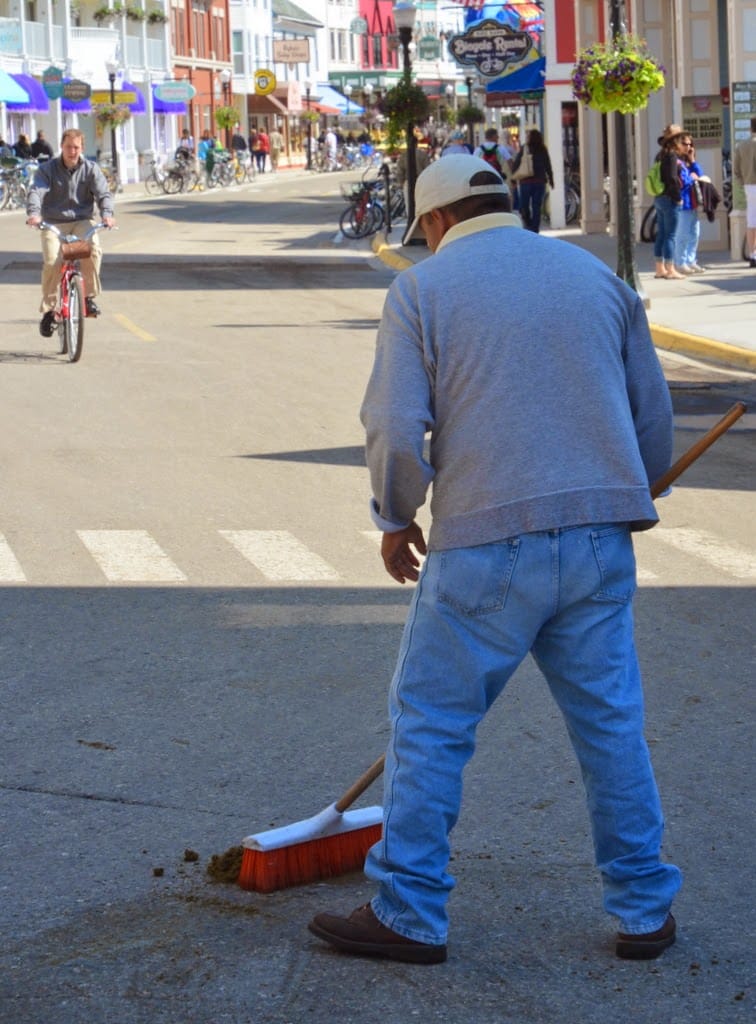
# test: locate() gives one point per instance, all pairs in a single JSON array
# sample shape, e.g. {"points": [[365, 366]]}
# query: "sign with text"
{"points": [[52, 82], [490, 47], [743, 107], [119, 96], [291, 51], [703, 119], [76, 90], [175, 92]]}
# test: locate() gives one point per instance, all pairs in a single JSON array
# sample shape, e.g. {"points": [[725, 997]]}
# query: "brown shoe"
{"points": [[363, 935], [649, 945]]}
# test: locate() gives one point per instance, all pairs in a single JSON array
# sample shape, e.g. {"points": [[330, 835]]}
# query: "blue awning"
{"points": [[37, 102], [161, 107], [140, 104], [10, 90], [528, 78], [331, 98]]}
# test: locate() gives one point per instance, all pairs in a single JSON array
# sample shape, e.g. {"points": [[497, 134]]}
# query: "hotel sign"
{"points": [[490, 47]]}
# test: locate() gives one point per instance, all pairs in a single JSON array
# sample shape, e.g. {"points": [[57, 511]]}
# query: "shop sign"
{"points": [[52, 82], [10, 35], [490, 47], [358, 26], [178, 91], [76, 90], [119, 96], [743, 109], [265, 82], [429, 48], [703, 120], [291, 51]]}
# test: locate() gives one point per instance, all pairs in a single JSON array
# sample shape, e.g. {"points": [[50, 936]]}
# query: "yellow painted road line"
{"points": [[133, 329]]}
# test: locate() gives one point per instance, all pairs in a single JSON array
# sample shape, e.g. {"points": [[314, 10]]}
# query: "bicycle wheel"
{"points": [[571, 205], [173, 183], [355, 221], [648, 225], [74, 322], [152, 186]]}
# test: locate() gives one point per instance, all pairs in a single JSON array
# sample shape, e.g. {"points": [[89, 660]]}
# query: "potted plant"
{"points": [[470, 114], [616, 76], [108, 13], [156, 16], [135, 13], [405, 104], [226, 117], [111, 115]]}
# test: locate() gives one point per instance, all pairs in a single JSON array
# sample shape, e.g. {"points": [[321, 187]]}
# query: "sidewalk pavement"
{"points": [[710, 316]]}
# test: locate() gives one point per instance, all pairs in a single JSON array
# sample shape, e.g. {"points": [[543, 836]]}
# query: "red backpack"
{"points": [[491, 156]]}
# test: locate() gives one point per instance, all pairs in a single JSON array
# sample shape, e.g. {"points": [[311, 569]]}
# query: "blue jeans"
{"points": [[686, 238], [531, 201], [476, 613], [667, 216]]}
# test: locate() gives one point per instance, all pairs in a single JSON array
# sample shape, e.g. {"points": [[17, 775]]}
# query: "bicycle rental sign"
{"points": [[490, 47]]}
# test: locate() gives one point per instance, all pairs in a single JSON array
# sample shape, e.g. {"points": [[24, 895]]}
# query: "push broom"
{"points": [[336, 840]]}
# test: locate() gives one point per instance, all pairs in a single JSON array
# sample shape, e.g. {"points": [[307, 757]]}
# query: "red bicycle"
{"points": [[71, 311]]}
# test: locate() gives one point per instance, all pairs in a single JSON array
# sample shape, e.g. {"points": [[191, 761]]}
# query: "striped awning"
{"points": [[37, 102]]}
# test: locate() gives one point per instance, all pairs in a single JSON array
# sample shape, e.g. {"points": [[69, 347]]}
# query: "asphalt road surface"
{"points": [[196, 636]]}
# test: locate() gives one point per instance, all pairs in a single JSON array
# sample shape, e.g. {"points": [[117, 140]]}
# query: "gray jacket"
{"points": [[59, 195], [532, 367]]}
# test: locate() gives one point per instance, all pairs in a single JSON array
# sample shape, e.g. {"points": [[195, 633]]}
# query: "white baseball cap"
{"points": [[449, 179]]}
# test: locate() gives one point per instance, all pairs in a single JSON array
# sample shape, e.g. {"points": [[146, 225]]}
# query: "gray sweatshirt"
{"points": [[531, 365], [59, 195]]}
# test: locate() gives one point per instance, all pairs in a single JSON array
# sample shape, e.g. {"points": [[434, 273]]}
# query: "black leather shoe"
{"points": [[92, 308], [647, 946], [47, 324], [362, 934]]}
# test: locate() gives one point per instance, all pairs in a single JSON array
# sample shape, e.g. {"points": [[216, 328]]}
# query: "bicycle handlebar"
{"points": [[102, 226]]}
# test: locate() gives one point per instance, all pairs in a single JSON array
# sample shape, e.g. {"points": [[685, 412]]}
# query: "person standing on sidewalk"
{"points": [[531, 365], [744, 171], [689, 225], [669, 204]]}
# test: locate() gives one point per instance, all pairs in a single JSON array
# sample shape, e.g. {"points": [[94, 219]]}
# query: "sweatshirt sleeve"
{"points": [[397, 410], [40, 185], [649, 397]]}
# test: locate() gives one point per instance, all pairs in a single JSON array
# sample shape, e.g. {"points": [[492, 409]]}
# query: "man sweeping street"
{"points": [[532, 367]]}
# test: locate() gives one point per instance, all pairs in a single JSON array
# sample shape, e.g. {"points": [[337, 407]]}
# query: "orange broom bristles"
{"points": [[300, 863]]}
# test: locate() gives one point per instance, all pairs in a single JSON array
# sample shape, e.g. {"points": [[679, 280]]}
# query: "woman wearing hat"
{"points": [[669, 203]]}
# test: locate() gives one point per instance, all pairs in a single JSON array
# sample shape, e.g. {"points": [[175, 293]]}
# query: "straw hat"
{"points": [[670, 132]]}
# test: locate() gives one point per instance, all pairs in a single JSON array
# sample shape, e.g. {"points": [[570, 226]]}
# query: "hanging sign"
{"points": [[291, 51], [76, 91], [358, 26], [490, 47], [429, 48], [52, 82], [265, 82], [179, 91]]}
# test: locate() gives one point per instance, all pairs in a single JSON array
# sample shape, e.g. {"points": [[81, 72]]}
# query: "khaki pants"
{"points": [[90, 268]]}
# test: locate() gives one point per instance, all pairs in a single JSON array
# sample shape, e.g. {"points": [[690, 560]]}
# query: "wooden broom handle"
{"points": [[698, 448], [358, 788], [368, 778]]}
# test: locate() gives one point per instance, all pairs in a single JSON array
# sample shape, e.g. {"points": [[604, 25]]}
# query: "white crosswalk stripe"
{"points": [[134, 556], [733, 560], [280, 556], [130, 556], [10, 569]]}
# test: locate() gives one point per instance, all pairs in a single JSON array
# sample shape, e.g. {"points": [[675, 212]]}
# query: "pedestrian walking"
{"points": [[531, 364], [531, 169], [41, 148], [744, 172], [262, 150], [276, 140]]}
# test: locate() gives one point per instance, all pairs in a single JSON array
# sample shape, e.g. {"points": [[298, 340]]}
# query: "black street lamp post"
{"points": [[225, 77], [623, 191], [112, 69], [469, 84], [404, 18], [308, 89]]}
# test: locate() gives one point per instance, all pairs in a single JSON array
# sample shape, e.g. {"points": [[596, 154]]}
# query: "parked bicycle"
{"points": [[364, 215], [16, 177], [70, 311]]}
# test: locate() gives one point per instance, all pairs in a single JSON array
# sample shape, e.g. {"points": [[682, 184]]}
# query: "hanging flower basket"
{"points": [[406, 104], [226, 117], [111, 115], [616, 76], [470, 114]]}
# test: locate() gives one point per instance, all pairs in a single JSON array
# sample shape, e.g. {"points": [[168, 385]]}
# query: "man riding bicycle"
{"points": [[64, 193]]}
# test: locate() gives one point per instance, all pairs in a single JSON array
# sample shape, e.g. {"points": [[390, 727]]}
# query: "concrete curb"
{"points": [[664, 337]]}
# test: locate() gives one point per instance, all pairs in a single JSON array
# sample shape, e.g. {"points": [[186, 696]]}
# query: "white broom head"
{"points": [[329, 822]]}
